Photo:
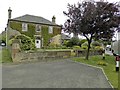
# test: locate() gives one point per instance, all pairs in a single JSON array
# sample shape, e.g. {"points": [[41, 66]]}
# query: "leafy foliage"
{"points": [[76, 47], [85, 44], [98, 48], [73, 41], [6, 56], [102, 63], [31, 31], [96, 20], [26, 43], [3, 37], [96, 43], [82, 41], [84, 47]]}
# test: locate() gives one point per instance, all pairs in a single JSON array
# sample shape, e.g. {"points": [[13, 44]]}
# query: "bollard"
{"points": [[117, 63]]}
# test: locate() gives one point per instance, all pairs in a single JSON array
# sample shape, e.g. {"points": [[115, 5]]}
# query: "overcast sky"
{"points": [[43, 8]]}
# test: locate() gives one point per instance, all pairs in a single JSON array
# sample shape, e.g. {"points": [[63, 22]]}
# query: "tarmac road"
{"points": [[53, 74]]}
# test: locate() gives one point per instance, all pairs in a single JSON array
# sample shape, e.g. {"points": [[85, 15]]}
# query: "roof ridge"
{"points": [[33, 15], [34, 18], [30, 15]]}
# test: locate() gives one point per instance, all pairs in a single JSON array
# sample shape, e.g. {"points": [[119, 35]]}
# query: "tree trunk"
{"points": [[87, 55]]}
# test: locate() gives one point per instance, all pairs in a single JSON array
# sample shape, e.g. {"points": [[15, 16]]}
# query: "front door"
{"points": [[38, 43]]}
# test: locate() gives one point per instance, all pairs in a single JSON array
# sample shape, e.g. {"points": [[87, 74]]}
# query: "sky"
{"points": [[43, 8]]}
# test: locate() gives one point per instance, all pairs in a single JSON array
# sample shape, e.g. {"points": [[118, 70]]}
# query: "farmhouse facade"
{"points": [[38, 28]]}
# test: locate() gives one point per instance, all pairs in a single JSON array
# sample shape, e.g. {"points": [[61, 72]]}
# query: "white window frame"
{"points": [[50, 29], [38, 26], [24, 26]]}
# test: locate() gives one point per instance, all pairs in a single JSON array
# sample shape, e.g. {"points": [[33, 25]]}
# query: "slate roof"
{"points": [[34, 19]]}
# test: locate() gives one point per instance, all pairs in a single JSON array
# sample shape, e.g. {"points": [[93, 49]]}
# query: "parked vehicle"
{"points": [[2, 43]]}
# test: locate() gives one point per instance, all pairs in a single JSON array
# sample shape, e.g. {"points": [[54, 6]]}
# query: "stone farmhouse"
{"points": [[38, 28]]}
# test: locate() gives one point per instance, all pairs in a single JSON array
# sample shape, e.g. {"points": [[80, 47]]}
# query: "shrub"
{"points": [[73, 41], [83, 41], [73, 53], [96, 43], [102, 63], [76, 47], [65, 42], [26, 43], [3, 37], [11, 41], [52, 46], [63, 47], [55, 46], [84, 47], [99, 48], [85, 44]]}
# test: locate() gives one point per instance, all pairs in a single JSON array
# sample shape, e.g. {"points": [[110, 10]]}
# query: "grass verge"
{"points": [[108, 66], [5, 56]]}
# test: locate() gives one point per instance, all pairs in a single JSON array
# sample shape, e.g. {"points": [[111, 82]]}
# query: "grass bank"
{"points": [[5, 56], [108, 66]]}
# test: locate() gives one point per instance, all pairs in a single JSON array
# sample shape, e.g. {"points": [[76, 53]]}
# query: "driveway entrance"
{"points": [[53, 74]]}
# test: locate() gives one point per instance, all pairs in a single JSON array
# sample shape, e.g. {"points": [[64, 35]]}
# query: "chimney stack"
{"points": [[9, 13], [53, 19]]}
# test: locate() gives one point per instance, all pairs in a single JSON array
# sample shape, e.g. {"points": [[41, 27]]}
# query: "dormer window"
{"points": [[50, 29], [24, 27], [38, 28]]}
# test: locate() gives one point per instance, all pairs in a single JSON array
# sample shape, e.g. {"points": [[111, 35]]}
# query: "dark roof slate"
{"points": [[34, 19]]}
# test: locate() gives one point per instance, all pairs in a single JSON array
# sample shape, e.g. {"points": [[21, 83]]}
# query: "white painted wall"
{"points": [[118, 36]]}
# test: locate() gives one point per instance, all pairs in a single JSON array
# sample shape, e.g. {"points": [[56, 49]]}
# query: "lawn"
{"points": [[108, 66], [5, 56]]}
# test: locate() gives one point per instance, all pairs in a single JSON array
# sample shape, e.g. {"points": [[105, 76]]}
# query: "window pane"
{"points": [[38, 28], [24, 27], [50, 29]]}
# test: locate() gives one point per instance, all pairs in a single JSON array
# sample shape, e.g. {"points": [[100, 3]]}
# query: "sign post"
{"points": [[117, 63]]}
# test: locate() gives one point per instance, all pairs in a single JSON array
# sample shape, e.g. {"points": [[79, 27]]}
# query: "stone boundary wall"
{"points": [[48, 55], [80, 53], [23, 56], [40, 55]]}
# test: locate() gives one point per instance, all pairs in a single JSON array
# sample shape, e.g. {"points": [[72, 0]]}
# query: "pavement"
{"points": [[52, 74]]}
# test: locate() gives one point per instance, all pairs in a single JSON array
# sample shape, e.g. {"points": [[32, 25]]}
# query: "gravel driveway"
{"points": [[53, 74]]}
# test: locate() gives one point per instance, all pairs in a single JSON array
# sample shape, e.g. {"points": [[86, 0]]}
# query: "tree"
{"points": [[73, 42], [26, 43], [92, 20]]}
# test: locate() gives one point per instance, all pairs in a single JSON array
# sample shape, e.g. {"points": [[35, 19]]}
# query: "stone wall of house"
{"points": [[16, 25]]}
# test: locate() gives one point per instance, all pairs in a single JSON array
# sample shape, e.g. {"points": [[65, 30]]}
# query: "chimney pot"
{"points": [[9, 13], [53, 19]]}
